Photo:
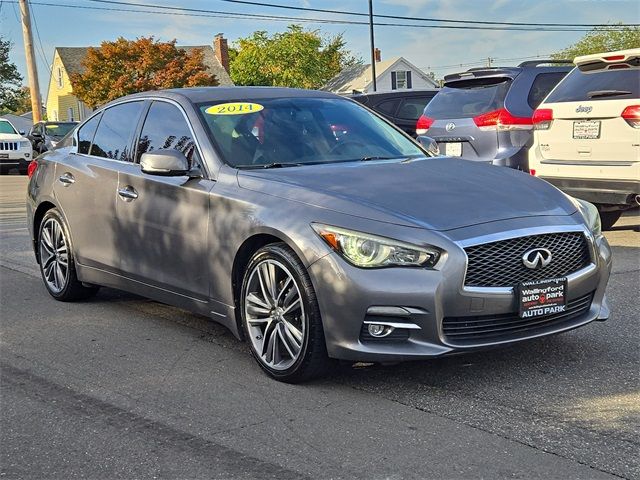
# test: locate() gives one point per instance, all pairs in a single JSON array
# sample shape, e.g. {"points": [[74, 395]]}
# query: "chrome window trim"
{"points": [[74, 148], [525, 232]]}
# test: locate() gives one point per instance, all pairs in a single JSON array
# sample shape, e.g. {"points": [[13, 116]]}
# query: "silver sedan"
{"points": [[312, 228]]}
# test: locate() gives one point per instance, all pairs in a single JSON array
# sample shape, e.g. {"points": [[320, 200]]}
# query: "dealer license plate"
{"points": [[584, 129], [542, 297], [4, 155], [452, 149]]}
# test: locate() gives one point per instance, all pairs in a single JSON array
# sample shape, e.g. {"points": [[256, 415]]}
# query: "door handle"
{"points": [[128, 193], [66, 179]]}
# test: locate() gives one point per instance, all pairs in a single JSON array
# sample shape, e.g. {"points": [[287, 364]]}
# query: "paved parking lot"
{"points": [[123, 387]]}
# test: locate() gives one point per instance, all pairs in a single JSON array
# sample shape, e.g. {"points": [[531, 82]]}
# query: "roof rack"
{"points": [[535, 63]]}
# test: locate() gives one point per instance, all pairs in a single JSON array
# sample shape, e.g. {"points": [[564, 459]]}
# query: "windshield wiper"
{"points": [[607, 93], [270, 165], [367, 159]]}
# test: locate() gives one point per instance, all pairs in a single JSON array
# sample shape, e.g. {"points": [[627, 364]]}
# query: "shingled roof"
{"points": [[72, 57]]}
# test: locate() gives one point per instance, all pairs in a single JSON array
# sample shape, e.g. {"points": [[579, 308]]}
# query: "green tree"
{"points": [[130, 66], [600, 40], [294, 58], [10, 78]]}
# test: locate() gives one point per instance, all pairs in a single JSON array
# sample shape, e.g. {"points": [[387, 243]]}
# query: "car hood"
{"points": [[435, 193], [11, 137]]}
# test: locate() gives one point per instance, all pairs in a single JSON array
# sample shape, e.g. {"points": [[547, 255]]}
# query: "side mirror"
{"points": [[170, 163], [21, 132], [429, 144]]}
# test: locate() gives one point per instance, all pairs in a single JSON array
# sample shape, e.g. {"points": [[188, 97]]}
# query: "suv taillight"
{"points": [[632, 115], [501, 119], [423, 124], [31, 168], [542, 119]]}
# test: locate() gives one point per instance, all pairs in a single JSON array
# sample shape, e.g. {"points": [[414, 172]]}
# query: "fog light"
{"points": [[379, 331]]}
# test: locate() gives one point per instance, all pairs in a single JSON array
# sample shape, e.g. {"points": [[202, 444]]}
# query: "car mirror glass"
{"points": [[171, 163], [429, 144]]}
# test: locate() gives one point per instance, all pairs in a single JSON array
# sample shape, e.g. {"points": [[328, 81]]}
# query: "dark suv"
{"points": [[402, 107], [484, 114]]}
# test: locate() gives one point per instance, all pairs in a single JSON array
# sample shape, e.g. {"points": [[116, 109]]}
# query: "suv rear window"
{"points": [[579, 86], [468, 98]]}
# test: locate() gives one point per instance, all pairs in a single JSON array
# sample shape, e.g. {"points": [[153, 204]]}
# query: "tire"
{"points": [[281, 318], [57, 265], [608, 219]]}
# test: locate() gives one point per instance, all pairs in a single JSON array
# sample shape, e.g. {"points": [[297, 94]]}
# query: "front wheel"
{"points": [[280, 316], [57, 265]]}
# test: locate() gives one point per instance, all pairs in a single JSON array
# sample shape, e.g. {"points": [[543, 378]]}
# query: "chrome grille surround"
{"points": [[497, 264], [8, 146]]}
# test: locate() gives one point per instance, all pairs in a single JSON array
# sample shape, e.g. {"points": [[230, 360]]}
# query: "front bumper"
{"points": [[349, 296], [15, 159]]}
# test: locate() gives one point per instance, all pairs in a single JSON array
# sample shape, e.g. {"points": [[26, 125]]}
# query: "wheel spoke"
{"points": [[48, 271], [294, 306], [268, 276], [283, 289], [293, 333], [263, 288], [284, 338], [46, 240]]}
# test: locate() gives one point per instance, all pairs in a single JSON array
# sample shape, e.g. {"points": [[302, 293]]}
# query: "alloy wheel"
{"points": [[54, 255], [274, 314]]}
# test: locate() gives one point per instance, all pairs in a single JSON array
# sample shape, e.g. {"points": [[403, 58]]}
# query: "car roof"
{"points": [[394, 93], [510, 72], [208, 94]]}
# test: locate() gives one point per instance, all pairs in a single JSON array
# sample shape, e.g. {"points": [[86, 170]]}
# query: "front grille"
{"points": [[499, 264], [468, 331], [9, 146]]}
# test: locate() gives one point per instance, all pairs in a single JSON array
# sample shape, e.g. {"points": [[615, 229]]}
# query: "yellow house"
{"points": [[63, 105]]}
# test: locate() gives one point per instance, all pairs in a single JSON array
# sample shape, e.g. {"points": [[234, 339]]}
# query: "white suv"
{"points": [[15, 150], [587, 133]]}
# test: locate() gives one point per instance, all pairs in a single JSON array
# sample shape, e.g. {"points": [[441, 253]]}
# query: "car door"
{"points": [[165, 219], [86, 183]]}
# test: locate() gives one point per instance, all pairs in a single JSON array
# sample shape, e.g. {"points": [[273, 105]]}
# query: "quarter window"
{"points": [[165, 128], [86, 133], [542, 85], [113, 136]]}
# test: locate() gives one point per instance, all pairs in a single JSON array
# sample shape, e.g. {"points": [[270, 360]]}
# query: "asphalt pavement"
{"points": [[123, 387]]}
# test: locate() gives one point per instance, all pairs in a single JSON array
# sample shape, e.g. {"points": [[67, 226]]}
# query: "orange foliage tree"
{"points": [[129, 66]]}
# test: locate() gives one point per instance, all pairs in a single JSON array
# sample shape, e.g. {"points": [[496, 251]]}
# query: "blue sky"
{"points": [[437, 49]]}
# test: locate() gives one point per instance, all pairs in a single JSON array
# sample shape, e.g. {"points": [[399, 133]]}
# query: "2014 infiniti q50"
{"points": [[312, 228]]}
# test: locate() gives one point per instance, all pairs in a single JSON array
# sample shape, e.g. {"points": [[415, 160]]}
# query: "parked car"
{"points": [[484, 114], [401, 107], [241, 204], [46, 135], [15, 149], [587, 133]]}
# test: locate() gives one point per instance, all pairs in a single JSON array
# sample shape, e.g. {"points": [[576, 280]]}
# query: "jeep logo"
{"points": [[582, 109]]}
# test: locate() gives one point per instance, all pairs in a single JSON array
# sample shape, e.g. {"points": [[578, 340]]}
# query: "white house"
{"points": [[393, 74]]}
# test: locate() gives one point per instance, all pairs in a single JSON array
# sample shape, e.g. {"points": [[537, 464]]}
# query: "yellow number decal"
{"points": [[236, 108]]}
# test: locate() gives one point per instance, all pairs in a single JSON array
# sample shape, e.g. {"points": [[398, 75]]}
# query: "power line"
{"points": [[43, 56], [398, 17]]}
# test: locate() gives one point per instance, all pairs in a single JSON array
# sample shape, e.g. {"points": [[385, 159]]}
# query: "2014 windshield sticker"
{"points": [[235, 108]]}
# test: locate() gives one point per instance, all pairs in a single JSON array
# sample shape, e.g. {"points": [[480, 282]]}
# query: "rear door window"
{"points": [[581, 86], [412, 108], [166, 128], [86, 133], [542, 85], [114, 133], [388, 107], [469, 98]]}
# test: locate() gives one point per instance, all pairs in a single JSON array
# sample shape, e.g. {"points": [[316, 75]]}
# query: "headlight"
{"points": [[591, 216], [371, 251], [25, 145]]}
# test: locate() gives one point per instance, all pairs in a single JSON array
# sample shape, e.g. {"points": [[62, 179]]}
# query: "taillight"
{"points": [[532, 171], [632, 115], [501, 119], [614, 58], [542, 119], [423, 124], [31, 168]]}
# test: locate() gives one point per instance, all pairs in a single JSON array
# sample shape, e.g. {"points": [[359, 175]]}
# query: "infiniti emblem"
{"points": [[536, 258], [450, 126]]}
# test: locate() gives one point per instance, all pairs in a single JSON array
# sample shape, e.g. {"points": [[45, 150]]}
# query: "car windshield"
{"points": [[299, 131], [6, 127], [58, 130], [581, 86], [468, 98]]}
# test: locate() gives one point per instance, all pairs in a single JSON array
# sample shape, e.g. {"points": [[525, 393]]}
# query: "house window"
{"points": [[70, 115], [60, 79], [401, 80]]}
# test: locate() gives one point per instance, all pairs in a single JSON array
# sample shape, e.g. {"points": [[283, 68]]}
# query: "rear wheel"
{"points": [[57, 265], [608, 219], [280, 316]]}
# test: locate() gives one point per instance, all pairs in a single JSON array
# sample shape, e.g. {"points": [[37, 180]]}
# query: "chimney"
{"points": [[221, 50], [377, 55]]}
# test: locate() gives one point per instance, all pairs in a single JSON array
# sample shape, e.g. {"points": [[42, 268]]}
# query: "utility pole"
{"points": [[490, 61], [373, 46], [32, 69]]}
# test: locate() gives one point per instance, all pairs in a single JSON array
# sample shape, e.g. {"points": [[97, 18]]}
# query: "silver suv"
{"points": [[485, 114]]}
